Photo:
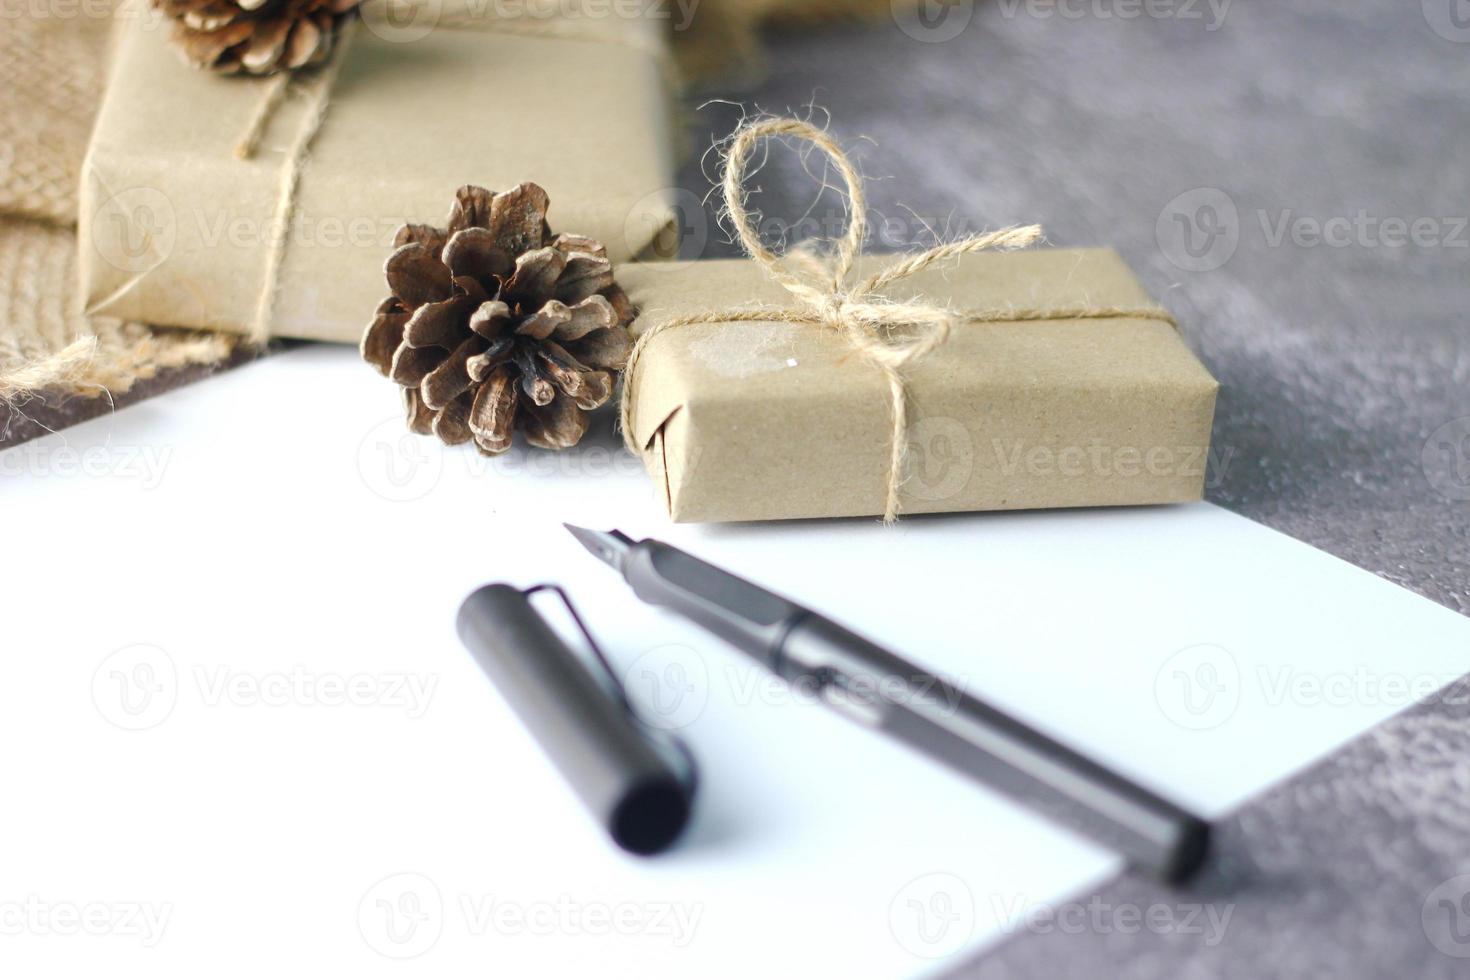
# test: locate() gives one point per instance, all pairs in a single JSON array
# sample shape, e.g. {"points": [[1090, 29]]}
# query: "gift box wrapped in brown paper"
{"points": [[177, 229], [760, 420]]}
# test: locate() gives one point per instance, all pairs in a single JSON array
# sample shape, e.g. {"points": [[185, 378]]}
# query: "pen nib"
{"points": [[610, 546]]}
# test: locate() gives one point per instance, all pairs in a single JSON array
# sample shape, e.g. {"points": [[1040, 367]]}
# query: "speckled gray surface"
{"points": [[1344, 419]]}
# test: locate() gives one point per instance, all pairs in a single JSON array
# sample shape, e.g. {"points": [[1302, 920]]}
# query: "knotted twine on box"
{"points": [[890, 333]]}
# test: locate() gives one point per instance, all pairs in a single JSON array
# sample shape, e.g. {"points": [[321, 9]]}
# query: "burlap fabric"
{"points": [[52, 64]]}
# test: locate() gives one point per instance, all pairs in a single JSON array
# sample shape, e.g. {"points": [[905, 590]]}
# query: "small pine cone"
{"points": [[496, 324], [255, 37]]}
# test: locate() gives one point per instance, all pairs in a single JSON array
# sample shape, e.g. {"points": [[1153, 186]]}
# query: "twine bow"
{"points": [[890, 333]]}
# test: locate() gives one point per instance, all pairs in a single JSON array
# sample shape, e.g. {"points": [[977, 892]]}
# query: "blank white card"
{"points": [[243, 738]]}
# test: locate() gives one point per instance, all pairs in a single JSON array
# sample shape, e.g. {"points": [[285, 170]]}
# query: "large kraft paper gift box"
{"points": [[766, 420], [177, 230]]}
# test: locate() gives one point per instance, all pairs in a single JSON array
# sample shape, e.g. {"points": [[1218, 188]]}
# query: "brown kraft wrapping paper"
{"points": [[176, 230], [766, 420]]}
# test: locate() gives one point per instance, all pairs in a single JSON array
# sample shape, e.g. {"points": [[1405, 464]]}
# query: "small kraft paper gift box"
{"points": [[267, 206], [968, 376], [759, 420]]}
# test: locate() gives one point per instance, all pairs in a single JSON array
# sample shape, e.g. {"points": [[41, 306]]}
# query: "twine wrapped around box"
{"points": [[890, 333]]}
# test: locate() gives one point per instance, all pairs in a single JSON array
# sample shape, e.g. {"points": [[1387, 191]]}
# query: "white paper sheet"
{"points": [[242, 736]]}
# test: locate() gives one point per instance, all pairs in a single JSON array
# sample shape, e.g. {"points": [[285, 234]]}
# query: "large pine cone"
{"points": [[255, 37], [495, 324]]}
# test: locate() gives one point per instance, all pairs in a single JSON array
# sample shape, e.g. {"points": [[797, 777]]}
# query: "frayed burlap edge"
{"points": [[51, 76], [46, 344]]}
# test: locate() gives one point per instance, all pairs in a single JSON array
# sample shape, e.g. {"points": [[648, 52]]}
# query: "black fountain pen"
{"points": [[885, 692]]}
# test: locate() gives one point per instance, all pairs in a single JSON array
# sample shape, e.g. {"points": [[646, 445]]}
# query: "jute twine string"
{"points": [[295, 161], [892, 334], [59, 366]]}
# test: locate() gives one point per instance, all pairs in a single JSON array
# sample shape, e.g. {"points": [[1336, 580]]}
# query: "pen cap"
{"points": [[630, 778]]}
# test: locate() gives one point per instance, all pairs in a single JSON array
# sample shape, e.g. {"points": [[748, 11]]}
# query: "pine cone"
{"points": [[255, 37], [495, 324]]}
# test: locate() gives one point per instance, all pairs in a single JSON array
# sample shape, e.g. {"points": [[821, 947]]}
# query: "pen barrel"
{"points": [[628, 783], [741, 613], [933, 716]]}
